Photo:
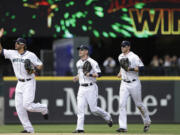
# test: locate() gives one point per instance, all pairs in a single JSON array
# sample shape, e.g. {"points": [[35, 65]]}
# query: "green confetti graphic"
{"points": [[96, 33], [88, 2], [105, 34], [34, 16], [13, 17], [84, 28], [69, 18], [139, 5], [13, 29], [152, 11]]}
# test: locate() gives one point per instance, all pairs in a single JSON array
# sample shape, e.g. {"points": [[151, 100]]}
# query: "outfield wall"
{"points": [[160, 95]]}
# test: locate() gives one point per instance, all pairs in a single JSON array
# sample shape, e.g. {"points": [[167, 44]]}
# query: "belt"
{"points": [[129, 81], [86, 84], [24, 80]]}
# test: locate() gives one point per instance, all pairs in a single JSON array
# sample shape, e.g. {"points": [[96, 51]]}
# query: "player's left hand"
{"points": [[92, 75], [87, 74], [124, 63], [29, 66], [1, 32], [87, 68]]}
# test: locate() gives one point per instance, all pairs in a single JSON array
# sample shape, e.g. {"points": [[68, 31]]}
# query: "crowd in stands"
{"points": [[168, 65]]}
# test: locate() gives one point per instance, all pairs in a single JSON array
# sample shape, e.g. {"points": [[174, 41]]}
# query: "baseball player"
{"points": [[26, 85], [88, 90], [130, 85]]}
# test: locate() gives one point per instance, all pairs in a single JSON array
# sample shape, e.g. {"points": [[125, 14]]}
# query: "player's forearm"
{"points": [[136, 69], [1, 34], [119, 74], [77, 76], [120, 69], [0, 47], [39, 67]]}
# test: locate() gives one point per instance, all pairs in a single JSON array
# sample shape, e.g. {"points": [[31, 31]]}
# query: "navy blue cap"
{"points": [[21, 40], [83, 47], [125, 43]]}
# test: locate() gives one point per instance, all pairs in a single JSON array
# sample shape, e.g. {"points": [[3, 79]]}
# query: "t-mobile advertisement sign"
{"points": [[157, 96]]}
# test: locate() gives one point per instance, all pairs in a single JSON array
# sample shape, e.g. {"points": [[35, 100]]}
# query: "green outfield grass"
{"points": [[95, 128]]}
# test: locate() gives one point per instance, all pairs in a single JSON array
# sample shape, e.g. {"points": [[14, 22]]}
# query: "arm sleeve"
{"points": [[138, 62], [7, 53], [96, 67], [119, 58], [35, 60], [77, 67]]}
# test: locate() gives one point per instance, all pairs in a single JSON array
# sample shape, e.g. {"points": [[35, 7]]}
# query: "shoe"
{"points": [[78, 131], [46, 116], [121, 130], [25, 131], [110, 123], [146, 127]]}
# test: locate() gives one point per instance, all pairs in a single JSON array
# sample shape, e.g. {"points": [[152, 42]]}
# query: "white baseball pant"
{"points": [[88, 95], [133, 89], [24, 97]]}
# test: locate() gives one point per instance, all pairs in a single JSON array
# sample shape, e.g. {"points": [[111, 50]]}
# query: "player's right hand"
{"points": [[119, 75], [1, 32]]}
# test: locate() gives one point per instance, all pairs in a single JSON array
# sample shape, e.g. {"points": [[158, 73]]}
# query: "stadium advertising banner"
{"points": [[158, 96], [121, 18]]}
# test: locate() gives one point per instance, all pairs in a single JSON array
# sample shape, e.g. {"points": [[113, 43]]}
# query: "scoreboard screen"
{"points": [[95, 18]]}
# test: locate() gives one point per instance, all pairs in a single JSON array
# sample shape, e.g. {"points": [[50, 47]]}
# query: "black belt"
{"points": [[86, 84], [24, 80], [129, 81]]}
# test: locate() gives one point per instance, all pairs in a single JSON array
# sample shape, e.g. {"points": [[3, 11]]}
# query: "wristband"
{"points": [[131, 69]]}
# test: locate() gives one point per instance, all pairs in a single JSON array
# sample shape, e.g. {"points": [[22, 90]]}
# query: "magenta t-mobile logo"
{"points": [[11, 98]]}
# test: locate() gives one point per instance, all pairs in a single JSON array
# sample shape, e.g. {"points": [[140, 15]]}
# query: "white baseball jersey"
{"points": [[95, 69], [135, 61], [17, 61]]}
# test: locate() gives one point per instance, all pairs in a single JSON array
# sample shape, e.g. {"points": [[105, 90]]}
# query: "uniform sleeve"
{"points": [[8, 53], [119, 58], [96, 67], [138, 62], [35, 60], [77, 67]]}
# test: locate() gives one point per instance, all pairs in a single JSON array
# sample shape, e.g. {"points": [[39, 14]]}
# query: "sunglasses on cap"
{"points": [[124, 45], [20, 43], [83, 49]]}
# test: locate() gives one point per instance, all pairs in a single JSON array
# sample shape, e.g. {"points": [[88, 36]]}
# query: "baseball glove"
{"points": [[124, 63], [87, 67], [28, 66]]}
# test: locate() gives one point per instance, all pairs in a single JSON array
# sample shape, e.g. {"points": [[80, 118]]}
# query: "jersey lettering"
{"points": [[18, 60]]}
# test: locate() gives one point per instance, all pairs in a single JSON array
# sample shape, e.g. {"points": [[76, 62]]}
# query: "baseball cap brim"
{"points": [[125, 43], [83, 48]]}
